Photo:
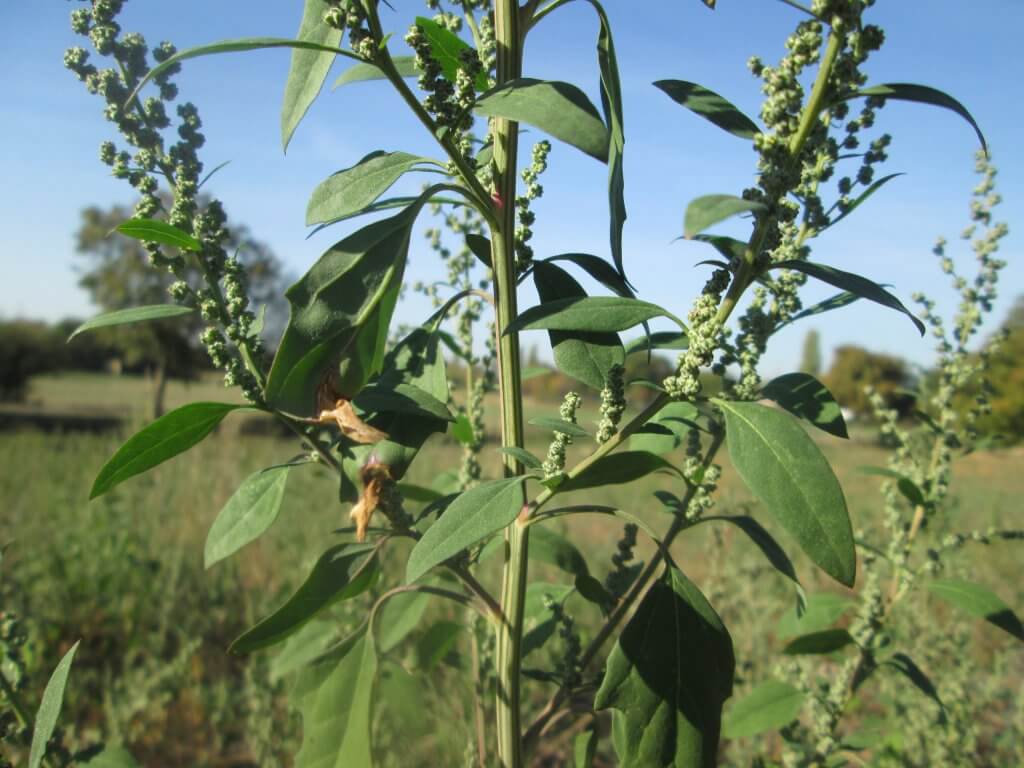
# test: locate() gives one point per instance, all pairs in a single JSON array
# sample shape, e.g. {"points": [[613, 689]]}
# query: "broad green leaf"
{"points": [[112, 756], [978, 601], [446, 48], [584, 748], [807, 398], [402, 398], [131, 315], [304, 646], [388, 204], [601, 314], [462, 430], [557, 108], [357, 73], [559, 425], [731, 248], [250, 511], [309, 68], [480, 247], [909, 669], [825, 641], [822, 611], [910, 490], [354, 189], [472, 517], [235, 46], [165, 438], [706, 211], [523, 456], [655, 438], [585, 356], [848, 281], [398, 617], [341, 573], [155, 231], [785, 469], [710, 106], [864, 196], [658, 340], [668, 678], [554, 549], [436, 643], [769, 547], [599, 269], [617, 469], [768, 707], [923, 95], [49, 708], [335, 695]]}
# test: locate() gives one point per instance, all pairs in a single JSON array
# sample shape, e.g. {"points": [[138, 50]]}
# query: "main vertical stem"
{"points": [[505, 135]]}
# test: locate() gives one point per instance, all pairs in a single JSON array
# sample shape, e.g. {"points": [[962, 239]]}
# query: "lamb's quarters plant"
{"points": [[365, 404]]}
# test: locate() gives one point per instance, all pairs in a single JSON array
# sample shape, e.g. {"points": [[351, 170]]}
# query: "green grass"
{"points": [[125, 573]]}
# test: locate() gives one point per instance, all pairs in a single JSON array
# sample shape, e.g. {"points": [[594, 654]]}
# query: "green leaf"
{"points": [[386, 205], [807, 398], [585, 356], [731, 248], [978, 601], [617, 469], [825, 641], [357, 73], [165, 438], [235, 46], [601, 314], [131, 315], [462, 430], [523, 456], [335, 695], [909, 669], [558, 425], [557, 108], [840, 300], [599, 269], [308, 69], [533, 372], [480, 247], [155, 231], [250, 511], [446, 48], [785, 469], [848, 281], [49, 708], [398, 617], [354, 189], [418, 493], [769, 547], [710, 106], [822, 611], [472, 517], [863, 196], [304, 646], [658, 340], [554, 549], [668, 676], [584, 748], [340, 573], [436, 643], [911, 492], [655, 438], [112, 756], [768, 707], [402, 398], [706, 211], [923, 95]]}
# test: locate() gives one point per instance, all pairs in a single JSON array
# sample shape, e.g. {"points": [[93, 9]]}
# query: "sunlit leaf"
{"points": [[49, 708], [706, 211], [768, 707], [825, 641], [308, 69], [710, 106], [617, 469], [155, 231], [357, 73], [807, 398], [447, 49], [131, 315], [601, 314], [978, 601], [250, 511]]}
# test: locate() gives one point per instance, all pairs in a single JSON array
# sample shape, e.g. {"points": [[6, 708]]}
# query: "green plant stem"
{"points": [[505, 139]]}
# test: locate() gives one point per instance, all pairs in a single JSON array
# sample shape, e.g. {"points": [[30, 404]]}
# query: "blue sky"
{"points": [[51, 129]]}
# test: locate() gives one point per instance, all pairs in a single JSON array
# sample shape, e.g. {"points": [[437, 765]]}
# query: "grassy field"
{"points": [[124, 574]]}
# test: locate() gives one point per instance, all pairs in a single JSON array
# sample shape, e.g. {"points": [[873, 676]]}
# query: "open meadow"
{"points": [[125, 575]]}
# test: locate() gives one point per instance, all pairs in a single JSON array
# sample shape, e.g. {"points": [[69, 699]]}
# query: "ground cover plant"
{"points": [[657, 660]]}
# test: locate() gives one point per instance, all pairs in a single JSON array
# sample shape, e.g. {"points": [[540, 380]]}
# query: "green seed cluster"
{"points": [[223, 301], [705, 337], [622, 574], [568, 666], [554, 464], [350, 15], [524, 231], [613, 404]]}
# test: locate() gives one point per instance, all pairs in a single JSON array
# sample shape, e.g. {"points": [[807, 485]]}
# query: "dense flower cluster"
{"points": [[530, 174], [554, 464], [613, 404]]}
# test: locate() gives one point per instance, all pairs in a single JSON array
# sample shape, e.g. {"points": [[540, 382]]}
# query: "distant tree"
{"points": [[26, 349], [810, 360], [119, 276], [1007, 380], [854, 368]]}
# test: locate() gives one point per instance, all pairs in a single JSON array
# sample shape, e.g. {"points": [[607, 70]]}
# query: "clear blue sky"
{"points": [[51, 129]]}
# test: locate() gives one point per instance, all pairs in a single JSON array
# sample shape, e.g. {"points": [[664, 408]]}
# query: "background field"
{"points": [[124, 574]]}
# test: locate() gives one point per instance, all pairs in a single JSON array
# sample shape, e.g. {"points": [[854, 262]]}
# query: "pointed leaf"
{"points": [[807, 398], [910, 490], [335, 695], [769, 547], [554, 549], [402, 398], [131, 315], [155, 231], [446, 48], [599, 269], [848, 281], [523, 456], [768, 707], [840, 300], [601, 314], [357, 73], [825, 641], [710, 106], [472, 517], [49, 708], [309, 68], [480, 246], [822, 611], [978, 601], [398, 617], [731, 248], [923, 95], [617, 469], [706, 211], [909, 669], [341, 573], [785, 469], [585, 356], [165, 438], [668, 676], [557, 108], [559, 425], [864, 196], [386, 205], [250, 511], [354, 189], [658, 340]]}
